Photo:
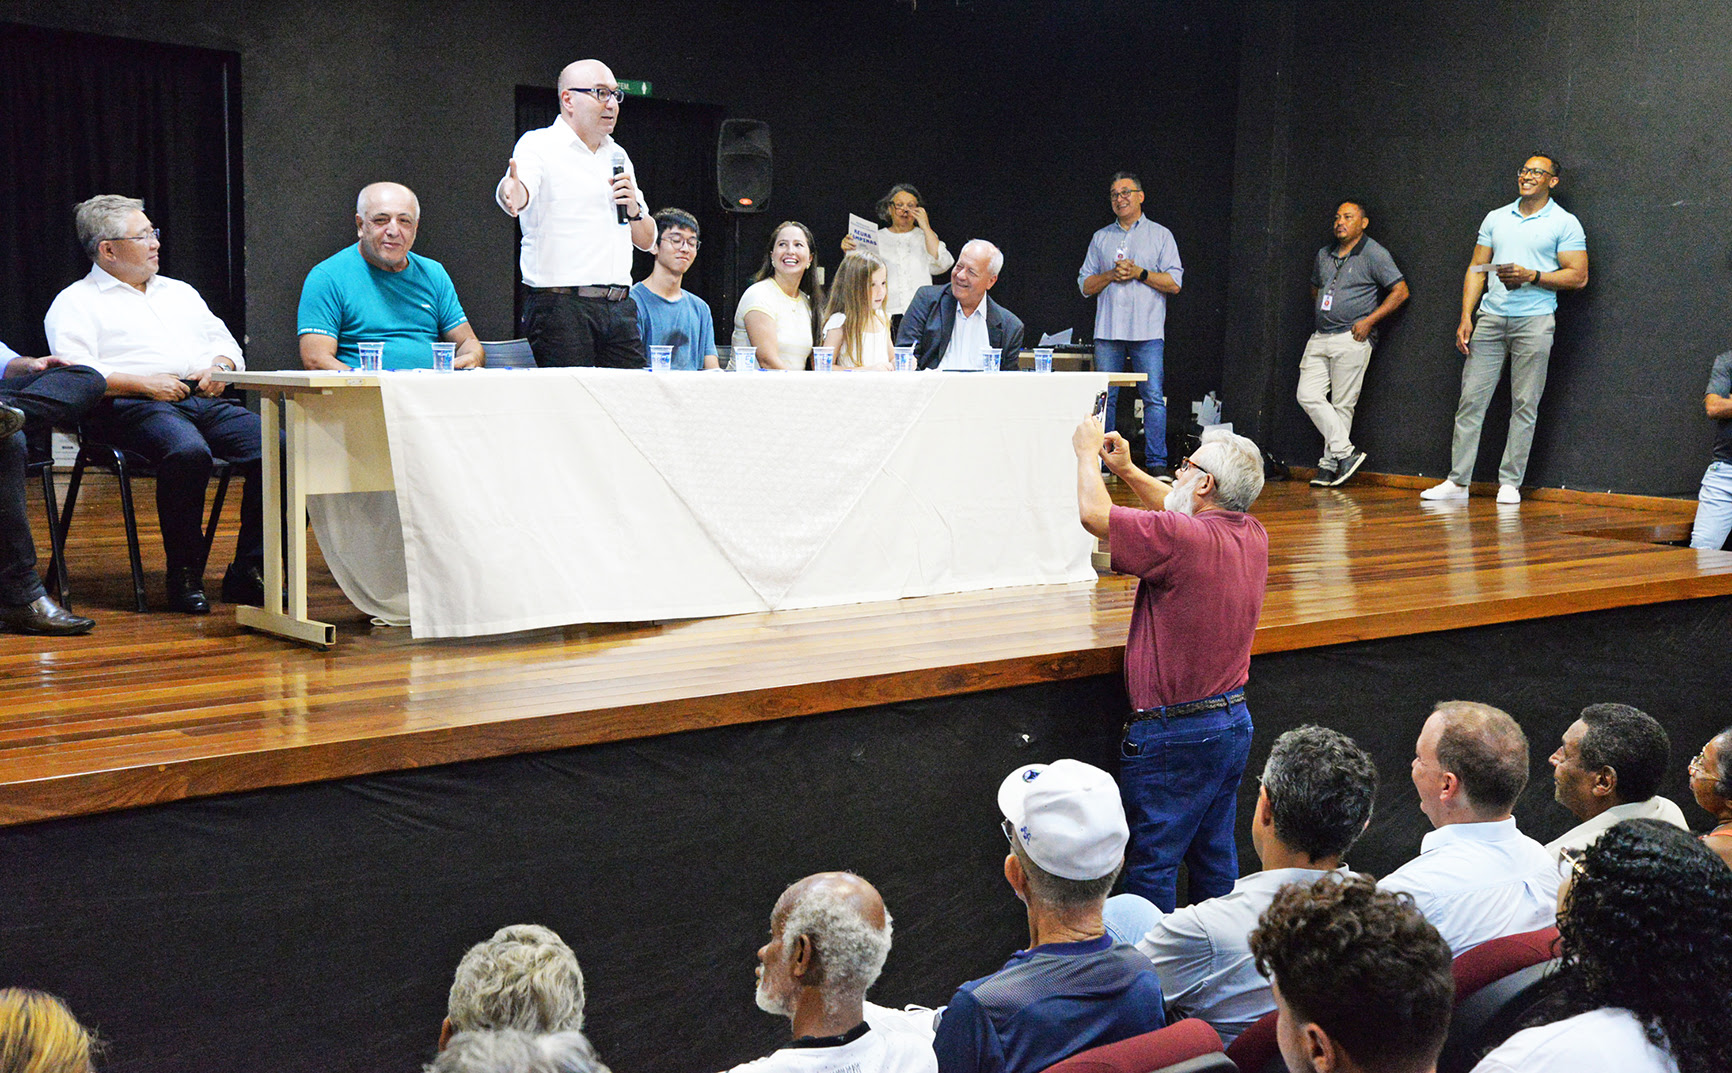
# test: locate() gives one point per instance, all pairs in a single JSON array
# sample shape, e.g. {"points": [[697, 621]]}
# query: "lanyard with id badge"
{"points": [[1328, 302]]}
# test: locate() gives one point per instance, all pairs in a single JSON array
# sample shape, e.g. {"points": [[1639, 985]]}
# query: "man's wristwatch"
{"points": [[1142, 275], [639, 216]]}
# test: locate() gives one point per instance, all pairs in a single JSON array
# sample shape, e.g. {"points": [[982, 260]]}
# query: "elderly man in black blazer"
{"points": [[948, 327]]}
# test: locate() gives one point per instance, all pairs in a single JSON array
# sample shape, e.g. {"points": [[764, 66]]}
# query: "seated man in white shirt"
{"points": [[1476, 876], [951, 326], [159, 346], [1317, 791], [829, 936], [1608, 769]]}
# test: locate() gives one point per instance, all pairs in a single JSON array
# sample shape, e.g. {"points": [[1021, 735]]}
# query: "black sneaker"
{"points": [[1325, 475], [1349, 466]]}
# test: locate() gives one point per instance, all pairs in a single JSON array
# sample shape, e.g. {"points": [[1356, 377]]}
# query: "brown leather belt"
{"points": [[611, 294], [1190, 707]]}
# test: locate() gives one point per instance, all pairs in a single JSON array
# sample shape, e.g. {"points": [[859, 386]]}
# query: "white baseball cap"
{"points": [[1068, 817]]}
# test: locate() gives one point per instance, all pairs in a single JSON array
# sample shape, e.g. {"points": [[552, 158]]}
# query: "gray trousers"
{"points": [[1330, 374], [1527, 342]]}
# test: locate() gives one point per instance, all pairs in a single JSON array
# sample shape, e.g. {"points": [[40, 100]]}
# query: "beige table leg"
{"points": [[285, 499]]}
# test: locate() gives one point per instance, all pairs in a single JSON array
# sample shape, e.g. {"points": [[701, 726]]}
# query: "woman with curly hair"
{"points": [[1711, 783], [1645, 931], [38, 1034]]}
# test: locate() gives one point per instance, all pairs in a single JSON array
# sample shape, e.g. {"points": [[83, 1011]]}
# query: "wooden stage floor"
{"points": [[158, 707]]}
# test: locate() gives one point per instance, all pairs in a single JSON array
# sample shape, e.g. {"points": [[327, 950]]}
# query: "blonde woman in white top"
{"points": [[911, 250], [856, 325], [779, 313]]}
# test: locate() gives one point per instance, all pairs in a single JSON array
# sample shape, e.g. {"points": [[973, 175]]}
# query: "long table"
{"points": [[531, 498]]}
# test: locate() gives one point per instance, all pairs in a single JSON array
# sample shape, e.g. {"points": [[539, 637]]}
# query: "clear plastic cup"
{"points": [[1043, 359], [989, 360], [745, 359], [904, 359], [372, 356], [444, 357], [661, 358], [823, 358]]}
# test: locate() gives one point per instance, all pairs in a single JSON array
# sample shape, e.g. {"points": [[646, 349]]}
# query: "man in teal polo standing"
{"points": [[1527, 252]]}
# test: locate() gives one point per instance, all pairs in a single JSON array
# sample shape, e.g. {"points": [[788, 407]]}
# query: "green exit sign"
{"points": [[635, 87]]}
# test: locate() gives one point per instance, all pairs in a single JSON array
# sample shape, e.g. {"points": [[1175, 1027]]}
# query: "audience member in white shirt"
{"points": [[1645, 937], [1607, 770], [1361, 980], [1318, 786], [160, 347], [569, 184], [829, 936], [1476, 877]]}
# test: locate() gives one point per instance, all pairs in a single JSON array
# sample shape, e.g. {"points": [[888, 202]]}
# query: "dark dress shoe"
{"points": [[11, 420], [43, 615], [244, 585], [186, 592]]}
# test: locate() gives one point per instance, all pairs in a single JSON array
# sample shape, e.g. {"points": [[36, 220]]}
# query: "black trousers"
{"points": [[565, 330], [58, 396], [180, 439]]}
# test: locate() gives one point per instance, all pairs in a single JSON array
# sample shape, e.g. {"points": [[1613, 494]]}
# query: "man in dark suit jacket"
{"points": [[930, 324]]}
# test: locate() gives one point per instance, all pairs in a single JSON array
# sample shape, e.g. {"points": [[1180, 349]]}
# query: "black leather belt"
{"points": [[611, 294], [1190, 707]]}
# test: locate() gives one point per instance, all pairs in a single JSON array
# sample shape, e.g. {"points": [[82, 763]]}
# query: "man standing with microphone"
{"points": [[575, 192]]}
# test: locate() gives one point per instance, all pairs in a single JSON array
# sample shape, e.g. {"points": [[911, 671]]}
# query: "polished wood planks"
{"points": [[160, 707]]}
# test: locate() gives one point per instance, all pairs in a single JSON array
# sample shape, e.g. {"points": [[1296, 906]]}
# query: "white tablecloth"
{"points": [[541, 498]]}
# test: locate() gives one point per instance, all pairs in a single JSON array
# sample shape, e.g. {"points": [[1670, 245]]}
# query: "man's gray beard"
{"points": [[1182, 499], [769, 1003]]}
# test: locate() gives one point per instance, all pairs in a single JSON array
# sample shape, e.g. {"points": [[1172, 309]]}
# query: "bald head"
{"points": [[842, 889], [829, 936], [387, 215], [592, 119]]}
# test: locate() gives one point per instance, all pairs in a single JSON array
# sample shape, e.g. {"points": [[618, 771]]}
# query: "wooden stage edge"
{"points": [[159, 708]]}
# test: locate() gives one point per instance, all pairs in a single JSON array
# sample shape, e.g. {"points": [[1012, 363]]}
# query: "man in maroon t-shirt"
{"points": [[1202, 562]]}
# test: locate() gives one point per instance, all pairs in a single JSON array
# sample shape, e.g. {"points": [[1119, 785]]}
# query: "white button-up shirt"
{"points": [[1583, 834], [113, 327], [1202, 953], [1479, 881], [968, 337], [572, 236], [1606, 1038]]}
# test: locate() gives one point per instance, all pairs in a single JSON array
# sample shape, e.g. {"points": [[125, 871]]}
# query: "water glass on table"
{"points": [[444, 357], [372, 356], [904, 359], [745, 359], [1043, 359], [823, 358], [661, 358], [989, 360]]}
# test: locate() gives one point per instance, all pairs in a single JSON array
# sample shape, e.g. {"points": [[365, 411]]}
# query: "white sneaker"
{"points": [[1446, 490], [1508, 493]]}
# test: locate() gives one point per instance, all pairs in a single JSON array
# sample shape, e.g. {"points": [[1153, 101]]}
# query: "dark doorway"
{"points": [[673, 147], [83, 114]]}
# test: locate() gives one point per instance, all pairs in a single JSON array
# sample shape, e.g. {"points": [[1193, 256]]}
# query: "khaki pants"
{"points": [[1330, 374], [1527, 341]]}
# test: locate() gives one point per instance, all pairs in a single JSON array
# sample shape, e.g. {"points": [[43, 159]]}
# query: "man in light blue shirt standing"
{"points": [[1131, 267], [1527, 252]]}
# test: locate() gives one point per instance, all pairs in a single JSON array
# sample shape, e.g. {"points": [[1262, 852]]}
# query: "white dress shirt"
{"points": [[572, 236], [1202, 953], [874, 1052], [1582, 835], [1479, 881], [113, 327], [1607, 1040], [968, 338]]}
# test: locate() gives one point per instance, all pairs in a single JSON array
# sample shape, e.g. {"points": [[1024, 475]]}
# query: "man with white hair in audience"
{"points": [[1074, 987], [829, 936], [1203, 562], [509, 1050], [1317, 790], [1476, 877], [524, 977], [951, 325]]}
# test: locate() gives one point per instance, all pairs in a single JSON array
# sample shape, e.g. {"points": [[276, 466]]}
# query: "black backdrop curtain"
{"points": [[81, 115]]}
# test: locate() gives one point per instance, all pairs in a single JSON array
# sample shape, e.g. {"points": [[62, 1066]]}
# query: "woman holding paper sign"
{"points": [[911, 250], [779, 313]]}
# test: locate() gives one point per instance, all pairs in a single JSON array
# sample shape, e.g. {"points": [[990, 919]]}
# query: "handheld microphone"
{"points": [[619, 169]]}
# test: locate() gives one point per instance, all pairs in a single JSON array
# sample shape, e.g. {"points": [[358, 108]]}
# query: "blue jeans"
{"points": [[1146, 356], [1130, 917], [1180, 783], [1713, 507]]}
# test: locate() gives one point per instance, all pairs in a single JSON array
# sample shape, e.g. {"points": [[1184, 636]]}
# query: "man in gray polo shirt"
{"points": [[1346, 283]]}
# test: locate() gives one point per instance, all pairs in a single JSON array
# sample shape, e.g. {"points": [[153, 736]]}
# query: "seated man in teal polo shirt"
{"points": [[376, 291]]}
